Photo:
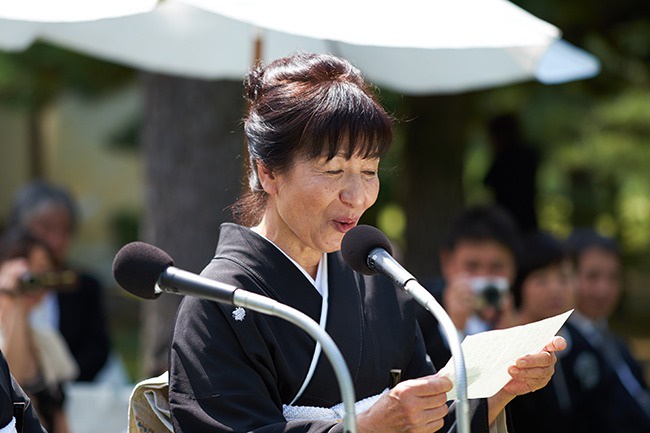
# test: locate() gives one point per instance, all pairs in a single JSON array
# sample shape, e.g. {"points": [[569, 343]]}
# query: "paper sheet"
{"points": [[489, 354]]}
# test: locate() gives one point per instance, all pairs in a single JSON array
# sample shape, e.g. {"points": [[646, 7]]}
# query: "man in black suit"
{"points": [[626, 401]]}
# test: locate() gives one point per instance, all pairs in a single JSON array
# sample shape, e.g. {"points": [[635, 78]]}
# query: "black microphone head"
{"points": [[137, 266], [357, 244]]}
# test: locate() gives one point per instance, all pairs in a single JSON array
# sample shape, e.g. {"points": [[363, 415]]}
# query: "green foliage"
{"points": [[593, 135], [125, 227], [127, 137], [35, 76]]}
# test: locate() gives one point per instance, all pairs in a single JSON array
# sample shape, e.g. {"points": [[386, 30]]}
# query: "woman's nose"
{"points": [[352, 192]]}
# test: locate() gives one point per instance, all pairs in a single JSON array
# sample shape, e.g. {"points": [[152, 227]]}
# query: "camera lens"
{"points": [[491, 295]]}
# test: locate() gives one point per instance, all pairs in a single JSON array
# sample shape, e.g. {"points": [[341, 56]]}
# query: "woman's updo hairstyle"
{"points": [[309, 106]]}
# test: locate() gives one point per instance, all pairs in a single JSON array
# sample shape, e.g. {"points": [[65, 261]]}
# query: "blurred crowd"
{"points": [[496, 276], [53, 327], [498, 270]]}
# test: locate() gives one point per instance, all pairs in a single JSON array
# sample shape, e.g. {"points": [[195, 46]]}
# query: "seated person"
{"points": [[478, 267], [606, 361], [545, 287], [36, 352]]}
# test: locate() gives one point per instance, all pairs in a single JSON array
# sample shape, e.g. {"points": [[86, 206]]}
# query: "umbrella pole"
{"points": [[257, 47]]}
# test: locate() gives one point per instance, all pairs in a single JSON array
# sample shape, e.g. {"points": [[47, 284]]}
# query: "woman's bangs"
{"points": [[360, 127]]}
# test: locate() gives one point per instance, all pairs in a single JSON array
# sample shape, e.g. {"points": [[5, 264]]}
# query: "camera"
{"points": [[489, 291], [57, 280]]}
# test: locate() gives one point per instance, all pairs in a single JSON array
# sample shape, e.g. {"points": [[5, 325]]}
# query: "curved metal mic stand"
{"points": [[263, 304], [424, 298], [379, 259]]}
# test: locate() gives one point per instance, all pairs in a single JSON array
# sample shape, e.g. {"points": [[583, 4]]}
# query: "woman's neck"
{"points": [[287, 241]]}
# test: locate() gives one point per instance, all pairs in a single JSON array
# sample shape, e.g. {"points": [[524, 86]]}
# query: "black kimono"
{"points": [[232, 371], [15, 404]]}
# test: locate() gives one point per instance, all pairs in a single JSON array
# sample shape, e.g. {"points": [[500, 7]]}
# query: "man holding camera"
{"points": [[478, 267]]}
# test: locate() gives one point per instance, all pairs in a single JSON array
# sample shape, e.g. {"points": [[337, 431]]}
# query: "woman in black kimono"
{"points": [[315, 136], [17, 413]]}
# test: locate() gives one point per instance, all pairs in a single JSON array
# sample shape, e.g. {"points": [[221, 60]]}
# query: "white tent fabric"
{"points": [[389, 23], [174, 38], [411, 46], [21, 21], [71, 10]]}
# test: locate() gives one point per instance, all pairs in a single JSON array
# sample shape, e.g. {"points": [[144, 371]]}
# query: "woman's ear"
{"points": [[268, 180]]}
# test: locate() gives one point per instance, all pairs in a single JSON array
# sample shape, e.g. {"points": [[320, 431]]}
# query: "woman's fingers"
{"points": [[533, 372], [556, 345], [416, 406], [541, 359], [530, 373]]}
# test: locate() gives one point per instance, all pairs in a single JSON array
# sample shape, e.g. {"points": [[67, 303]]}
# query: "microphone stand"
{"points": [[263, 304], [382, 260], [178, 281]]}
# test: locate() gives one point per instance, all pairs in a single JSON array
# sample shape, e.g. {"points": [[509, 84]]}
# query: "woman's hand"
{"points": [[530, 373], [533, 372], [414, 406]]}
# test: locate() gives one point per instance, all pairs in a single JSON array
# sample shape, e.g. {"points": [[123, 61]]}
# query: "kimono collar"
{"points": [[320, 282]]}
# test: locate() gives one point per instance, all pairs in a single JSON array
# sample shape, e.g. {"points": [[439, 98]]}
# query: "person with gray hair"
{"points": [[50, 213], [48, 210]]}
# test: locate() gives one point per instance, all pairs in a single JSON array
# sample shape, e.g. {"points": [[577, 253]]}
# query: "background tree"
{"points": [[32, 79], [434, 156], [192, 141]]}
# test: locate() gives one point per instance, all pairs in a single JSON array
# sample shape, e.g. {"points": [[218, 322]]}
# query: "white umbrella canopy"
{"points": [[411, 46], [174, 38], [417, 46], [22, 20], [389, 23], [71, 10]]}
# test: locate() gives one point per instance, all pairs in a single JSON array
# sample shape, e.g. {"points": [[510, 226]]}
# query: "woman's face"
{"points": [[599, 286], [314, 203], [548, 291]]}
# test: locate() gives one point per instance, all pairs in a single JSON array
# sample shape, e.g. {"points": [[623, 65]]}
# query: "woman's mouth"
{"points": [[345, 224]]}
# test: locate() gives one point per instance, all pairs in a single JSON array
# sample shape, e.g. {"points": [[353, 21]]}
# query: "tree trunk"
{"points": [[434, 155], [36, 168], [192, 140]]}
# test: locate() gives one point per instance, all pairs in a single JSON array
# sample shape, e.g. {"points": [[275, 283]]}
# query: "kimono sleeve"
{"points": [[223, 380]]}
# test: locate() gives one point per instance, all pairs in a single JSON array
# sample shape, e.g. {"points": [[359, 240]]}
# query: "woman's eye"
{"points": [[370, 172], [334, 171]]}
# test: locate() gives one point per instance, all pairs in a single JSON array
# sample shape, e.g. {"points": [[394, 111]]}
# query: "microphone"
{"points": [[367, 250], [147, 271]]}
